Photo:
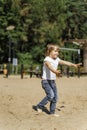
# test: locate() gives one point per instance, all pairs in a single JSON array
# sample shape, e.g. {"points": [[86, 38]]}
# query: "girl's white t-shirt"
{"points": [[48, 74]]}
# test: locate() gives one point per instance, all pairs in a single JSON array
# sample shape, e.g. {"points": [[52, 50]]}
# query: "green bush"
{"points": [[25, 58]]}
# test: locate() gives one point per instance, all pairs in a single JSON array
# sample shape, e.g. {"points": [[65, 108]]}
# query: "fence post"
{"points": [[67, 72], [22, 70], [79, 72]]}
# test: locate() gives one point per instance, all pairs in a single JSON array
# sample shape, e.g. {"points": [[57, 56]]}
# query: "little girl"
{"points": [[50, 72]]}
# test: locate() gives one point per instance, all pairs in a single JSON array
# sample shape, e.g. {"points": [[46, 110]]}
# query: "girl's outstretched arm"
{"points": [[62, 62]]}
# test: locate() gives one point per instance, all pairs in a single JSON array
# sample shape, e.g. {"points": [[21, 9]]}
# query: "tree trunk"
{"points": [[85, 57]]}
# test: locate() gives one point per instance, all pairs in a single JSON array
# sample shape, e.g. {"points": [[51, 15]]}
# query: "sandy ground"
{"points": [[17, 96]]}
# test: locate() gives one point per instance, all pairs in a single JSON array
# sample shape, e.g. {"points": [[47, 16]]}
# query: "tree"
{"points": [[76, 22], [38, 23], [85, 56], [48, 22]]}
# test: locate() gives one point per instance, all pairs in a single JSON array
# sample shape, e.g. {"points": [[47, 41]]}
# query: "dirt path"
{"points": [[17, 96]]}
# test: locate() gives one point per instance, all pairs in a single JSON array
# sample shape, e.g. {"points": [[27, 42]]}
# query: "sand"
{"points": [[17, 97]]}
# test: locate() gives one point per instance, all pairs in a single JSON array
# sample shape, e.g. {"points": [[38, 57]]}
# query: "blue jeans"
{"points": [[51, 95]]}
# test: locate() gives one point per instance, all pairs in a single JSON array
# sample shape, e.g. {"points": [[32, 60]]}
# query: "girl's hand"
{"points": [[58, 73], [78, 65]]}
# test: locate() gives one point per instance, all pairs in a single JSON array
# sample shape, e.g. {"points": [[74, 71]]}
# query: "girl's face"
{"points": [[54, 53]]}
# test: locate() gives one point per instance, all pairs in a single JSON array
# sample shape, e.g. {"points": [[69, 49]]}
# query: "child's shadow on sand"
{"points": [[59, 109]]}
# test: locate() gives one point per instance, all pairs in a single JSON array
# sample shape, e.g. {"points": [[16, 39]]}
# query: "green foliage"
{"points": [[39, 22], [48, 22], [76, 19], [37, 53], [25, 58]]}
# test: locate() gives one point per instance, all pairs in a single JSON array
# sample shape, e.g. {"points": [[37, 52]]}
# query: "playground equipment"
{"points": [[83, 44], [75, 50]]}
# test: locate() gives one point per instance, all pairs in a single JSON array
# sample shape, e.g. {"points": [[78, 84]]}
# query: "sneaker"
{"points": [[39, 110], [36, 108], [55, 115]]}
